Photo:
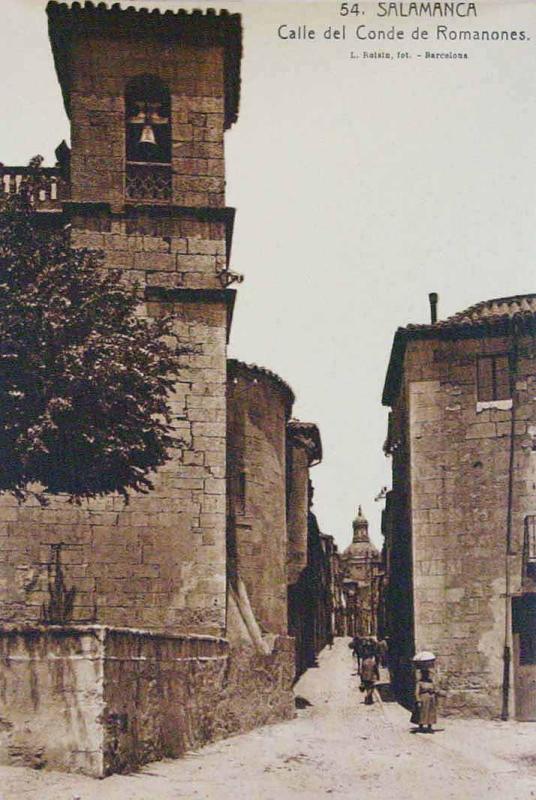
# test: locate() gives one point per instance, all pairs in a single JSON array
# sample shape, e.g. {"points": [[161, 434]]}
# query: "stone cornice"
{"points": [[65, 22]]}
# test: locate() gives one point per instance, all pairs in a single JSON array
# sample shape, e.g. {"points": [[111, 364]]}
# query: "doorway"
{"points": [[524, 635]]}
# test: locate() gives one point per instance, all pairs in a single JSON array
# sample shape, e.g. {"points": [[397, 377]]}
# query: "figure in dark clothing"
{"points": [[369, 676], [357, 650]]}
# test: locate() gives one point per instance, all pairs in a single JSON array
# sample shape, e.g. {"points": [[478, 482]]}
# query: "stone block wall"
{"points": [[158, 562], [51, 699], [182, 695], [166, 249], [93, 700], [459, 461], [298, 508], [259, 406]]}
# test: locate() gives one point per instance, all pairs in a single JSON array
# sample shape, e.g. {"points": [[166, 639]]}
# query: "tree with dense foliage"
{"points": [[84, 378]]}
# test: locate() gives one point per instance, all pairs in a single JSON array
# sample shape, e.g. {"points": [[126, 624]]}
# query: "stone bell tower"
{"points": [[149, 96]]}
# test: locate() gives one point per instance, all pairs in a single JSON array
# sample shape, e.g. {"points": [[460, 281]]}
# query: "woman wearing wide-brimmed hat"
{"points": [[425, 711]]}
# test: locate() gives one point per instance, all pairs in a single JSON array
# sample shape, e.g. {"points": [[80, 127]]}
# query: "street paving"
{"points": [[336, 747]]}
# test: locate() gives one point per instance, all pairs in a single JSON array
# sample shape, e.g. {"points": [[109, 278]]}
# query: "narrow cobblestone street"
{"points": [[336, 747]]}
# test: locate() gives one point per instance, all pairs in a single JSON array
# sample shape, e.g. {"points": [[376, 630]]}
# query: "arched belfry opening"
{"points": [[148, 139]]}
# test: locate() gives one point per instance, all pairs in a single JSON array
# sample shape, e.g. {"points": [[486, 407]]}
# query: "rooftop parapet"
{"points": [[51, 188]]}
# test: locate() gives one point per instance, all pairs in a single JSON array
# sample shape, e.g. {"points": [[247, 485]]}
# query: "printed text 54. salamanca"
{"points": [[426, 10]]}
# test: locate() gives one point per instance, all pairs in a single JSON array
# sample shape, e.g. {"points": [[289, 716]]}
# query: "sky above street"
{"points": [[360, 185]]}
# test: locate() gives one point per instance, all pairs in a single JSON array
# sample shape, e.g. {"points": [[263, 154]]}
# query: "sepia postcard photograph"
{"points": [[267, 400]]}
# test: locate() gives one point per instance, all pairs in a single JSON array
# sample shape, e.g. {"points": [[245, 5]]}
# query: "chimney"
{"points": [[433, 297]]}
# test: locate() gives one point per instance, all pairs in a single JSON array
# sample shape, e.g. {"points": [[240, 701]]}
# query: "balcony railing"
{"points": [[144, 182], [49, 189]]}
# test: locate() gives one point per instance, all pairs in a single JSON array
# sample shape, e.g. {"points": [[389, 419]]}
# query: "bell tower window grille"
{"points": [[148, 140]]}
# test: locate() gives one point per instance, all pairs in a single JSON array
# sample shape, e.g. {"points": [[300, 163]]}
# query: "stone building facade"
{"points": [[361, 565], [459, 526], [259, 407], [310, 600], [336, 600], [312, 591], [279, 563], [304, 450], [160, 562], [180, 597]]}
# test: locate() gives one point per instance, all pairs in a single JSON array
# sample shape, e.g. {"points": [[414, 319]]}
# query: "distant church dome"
{"points": [[360, 524], [361, 545]]}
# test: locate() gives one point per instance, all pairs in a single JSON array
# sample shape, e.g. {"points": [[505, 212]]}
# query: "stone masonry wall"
{"points": [[158, 249], [459, 477], [180, 696], [51, 699], [94, 700], [158, 562], [258, 410], [298, 508]]}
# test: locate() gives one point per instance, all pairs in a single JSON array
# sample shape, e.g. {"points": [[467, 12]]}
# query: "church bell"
{"points": [[147, 135]]}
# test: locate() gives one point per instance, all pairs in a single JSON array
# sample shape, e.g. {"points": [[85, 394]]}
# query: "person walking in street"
{"points": [[356, 648], [425, 712], [369, 676]]}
